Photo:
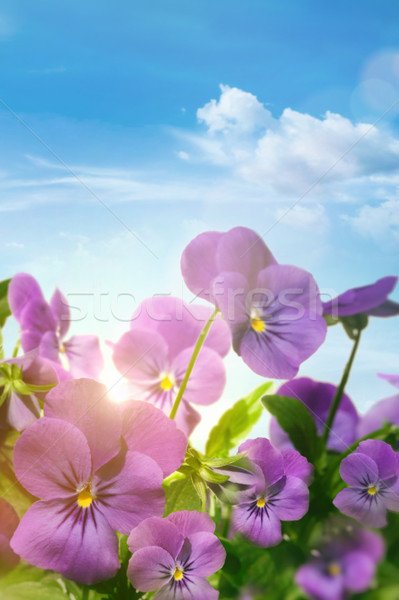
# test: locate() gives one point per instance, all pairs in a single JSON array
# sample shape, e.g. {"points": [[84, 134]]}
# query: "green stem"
{"points": [[194, 356], [85, 594], [1, 345], [341, 388], [16, 349]]}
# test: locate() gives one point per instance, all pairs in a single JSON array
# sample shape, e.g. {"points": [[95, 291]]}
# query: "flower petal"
{"points": [[187, 418], [296, 465], [85, 404], [195, 588], [35, 319], [361, 299], [208, 378], [198, 264], [207, 554], [141, 354], [156, 532], [51, 458], [385, 458], [358, 571], [313, 579], [370, 512], [386, 410], [189, 522], [61, 312], [292, 502], [23, 289], [129, 490], [261, 527], [20, 411], [149, 431], [359, 470], [150, 568], [84, 355], [77, 542], [270, 460], [8, 519]]}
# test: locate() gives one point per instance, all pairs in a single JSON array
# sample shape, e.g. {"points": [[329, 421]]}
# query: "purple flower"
{"points": [[175, 555], [370, 299], [280, 493], [88, 484], [372, 473], [155, 353], [344, 565], [317, 396], [384, 411], [19, 377], [8, 523], [274, 311], [44, 326]]}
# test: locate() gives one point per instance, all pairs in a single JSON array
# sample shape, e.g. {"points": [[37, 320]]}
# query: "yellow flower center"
{"points": [[258, 325], [178, 574], [334, 569], [167, 382], [261, 502], [372, 490], [85, 497]]}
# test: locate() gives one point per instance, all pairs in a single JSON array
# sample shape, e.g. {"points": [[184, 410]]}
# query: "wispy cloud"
{"points": [[48, 71]]}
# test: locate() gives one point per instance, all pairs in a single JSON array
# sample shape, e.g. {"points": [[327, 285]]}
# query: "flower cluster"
{"points": [[115, 493]]}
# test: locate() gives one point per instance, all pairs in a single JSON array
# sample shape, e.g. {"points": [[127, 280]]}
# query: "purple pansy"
{"points": [[280, 493], [370, 299], [372, 473], [155, 353], [274, 311], [175, 555], [88, 483], [19, 405], [345, 564], [317, 396], [45, 325], [8, 523], [384, 411]]}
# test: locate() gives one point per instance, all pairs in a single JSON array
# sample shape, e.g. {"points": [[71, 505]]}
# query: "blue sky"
{"points": [[123, 105]]}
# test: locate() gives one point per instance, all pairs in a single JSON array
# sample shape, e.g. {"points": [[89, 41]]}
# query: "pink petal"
{"points": [[84, 355], [61, 312], [149, 431], [23, 288], [85, 404], [157, 532], [189, 522], [129, 490], [207, 554], [78, 543], [150, 568], [141, 354], [51, 458], [208, 378]]}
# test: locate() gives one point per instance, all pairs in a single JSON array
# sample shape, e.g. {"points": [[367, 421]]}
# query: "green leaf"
{"points": [[10, 488], [236, 423], [180, 494], [297, 422], [5, 311]]}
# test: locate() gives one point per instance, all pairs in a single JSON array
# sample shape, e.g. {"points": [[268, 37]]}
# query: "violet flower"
{"points": [[382, 412], [345, 564], [317, 396], [154, 355], [44, 326], [280, 493], [8, 523], [22, 381], [370, 299], [175, 555], [89, 484], [372, 473], [274, 311]]}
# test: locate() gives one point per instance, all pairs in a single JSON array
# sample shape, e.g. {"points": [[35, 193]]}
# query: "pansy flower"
{"points": [[370, 299], [382, 412], [317, 396], [274, 311], [89, 484], [154, 355], [345, 564], [23, 381], [8, 523], [279, 494], [175, 555], [372, 473], [45, 326]]}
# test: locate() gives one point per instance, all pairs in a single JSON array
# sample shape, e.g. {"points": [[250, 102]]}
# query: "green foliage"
{"points": [[10, 488], [5, 311], [293, 416], [236, 423], [181, 494], [354, 324]]}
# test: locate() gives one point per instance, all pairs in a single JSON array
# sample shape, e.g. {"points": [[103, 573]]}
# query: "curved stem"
{"points": [[194, 356], [341, 388]]}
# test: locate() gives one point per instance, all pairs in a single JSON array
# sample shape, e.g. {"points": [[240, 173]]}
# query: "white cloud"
{"points": [[14, 245], [7, 28], [378, 222]]}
